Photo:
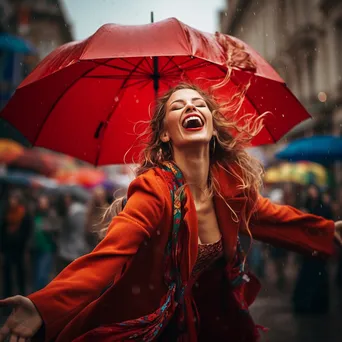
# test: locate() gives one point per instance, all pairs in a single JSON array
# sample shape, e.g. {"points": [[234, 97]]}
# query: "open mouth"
{"points": [[192, 122]]}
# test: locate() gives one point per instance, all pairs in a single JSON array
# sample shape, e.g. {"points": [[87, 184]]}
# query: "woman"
{"points": [[197, 183]]}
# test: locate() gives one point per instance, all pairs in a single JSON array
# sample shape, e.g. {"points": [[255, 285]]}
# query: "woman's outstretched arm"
{"points": [[288, 227], [84, 279]]}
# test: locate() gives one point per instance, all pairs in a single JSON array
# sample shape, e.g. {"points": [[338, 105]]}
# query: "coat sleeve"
{"points": [[84, 279], [288, 227]]}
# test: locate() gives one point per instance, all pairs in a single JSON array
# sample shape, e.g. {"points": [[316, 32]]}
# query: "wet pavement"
{"points": [[274, 312]]}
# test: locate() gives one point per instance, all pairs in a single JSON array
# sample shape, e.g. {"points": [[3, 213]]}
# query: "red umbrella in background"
{"points": [[85, 97], [84, 176], [14, 155], [35, 160]]}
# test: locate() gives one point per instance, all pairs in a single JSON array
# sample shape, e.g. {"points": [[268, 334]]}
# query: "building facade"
{"points": [[42, 23], [302, 40]]}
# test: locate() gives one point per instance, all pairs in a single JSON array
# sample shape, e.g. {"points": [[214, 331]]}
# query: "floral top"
{"points": [[207, 255]]}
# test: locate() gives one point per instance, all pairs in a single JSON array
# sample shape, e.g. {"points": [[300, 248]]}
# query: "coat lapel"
{"points": [[232, 201], [230, 207]]}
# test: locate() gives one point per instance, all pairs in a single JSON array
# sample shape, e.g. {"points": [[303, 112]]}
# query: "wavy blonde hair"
{"points": [[234, 132]]}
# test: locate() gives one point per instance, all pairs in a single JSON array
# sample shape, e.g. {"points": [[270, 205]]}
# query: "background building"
{"points": [[40, 23], [302, 39]]}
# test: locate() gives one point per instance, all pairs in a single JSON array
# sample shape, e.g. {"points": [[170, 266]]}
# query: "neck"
{"points": [[194, 164]]}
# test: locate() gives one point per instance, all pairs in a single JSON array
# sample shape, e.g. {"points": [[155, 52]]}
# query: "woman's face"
{"points": [[188, 119]]}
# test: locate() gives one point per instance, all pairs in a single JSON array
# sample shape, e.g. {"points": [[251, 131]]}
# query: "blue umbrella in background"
{"points": [[9, 42], [319, 149]]}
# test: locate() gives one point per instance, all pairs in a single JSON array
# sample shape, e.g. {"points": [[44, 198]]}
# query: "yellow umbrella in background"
{"points": [[9, 150], [301, 173]]}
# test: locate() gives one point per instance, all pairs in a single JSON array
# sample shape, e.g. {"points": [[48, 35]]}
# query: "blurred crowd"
{"points": [[311, 280], [43, 231]]}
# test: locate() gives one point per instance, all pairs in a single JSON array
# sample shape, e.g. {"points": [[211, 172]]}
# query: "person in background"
{"points": [[43, 247], [311, 293], [72, 240], [279, 255], [15, 232]]}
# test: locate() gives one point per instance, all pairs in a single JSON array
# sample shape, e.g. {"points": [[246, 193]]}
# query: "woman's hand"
{"points": [[338, 231], [23, 322]]}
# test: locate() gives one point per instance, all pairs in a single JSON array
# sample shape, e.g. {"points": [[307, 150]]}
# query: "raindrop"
{"points": [[266, 34], [283, 115], [137, 101], [136, 289], [319, 273], [158, 232], [151, 287], [116, 99], [217, 318], [253, 13], [225, 14]]}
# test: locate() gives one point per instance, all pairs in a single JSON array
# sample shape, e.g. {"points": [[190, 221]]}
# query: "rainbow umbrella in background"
{"points": [[302, 173]]}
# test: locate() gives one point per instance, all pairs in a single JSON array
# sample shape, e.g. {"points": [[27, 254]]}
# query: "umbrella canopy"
{"points": [[85, 98], [9, 150], [84, 176], [35, 160], [303, 173], [319, 149]]}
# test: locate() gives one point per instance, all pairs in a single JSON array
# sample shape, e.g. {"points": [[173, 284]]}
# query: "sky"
{"points": [[86, 16]]}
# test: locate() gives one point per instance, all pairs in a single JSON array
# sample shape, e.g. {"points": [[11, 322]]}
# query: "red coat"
{"points": [[131, 257]]}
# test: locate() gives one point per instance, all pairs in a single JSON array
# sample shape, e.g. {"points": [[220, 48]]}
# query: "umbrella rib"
{"points": [[132, 71], [113, 77], [149, 65], [137, 82], [134, 65], [119, 68], [59, 98], [166, 64], [180, 65], [113, 109]]}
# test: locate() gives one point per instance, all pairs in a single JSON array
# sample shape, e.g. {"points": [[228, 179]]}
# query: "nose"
{"points": [[190, 107]]}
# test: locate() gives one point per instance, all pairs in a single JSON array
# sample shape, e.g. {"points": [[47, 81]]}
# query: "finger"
{"points": [[10, 301], [338, 238], [14, 338], [4, 331]]}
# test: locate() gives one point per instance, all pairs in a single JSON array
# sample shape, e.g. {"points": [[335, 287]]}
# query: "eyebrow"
{"points": [[192, 100]]}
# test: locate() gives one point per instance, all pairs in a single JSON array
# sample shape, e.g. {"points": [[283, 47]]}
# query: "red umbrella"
{"points": [[84, 98], [35, 160]]}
